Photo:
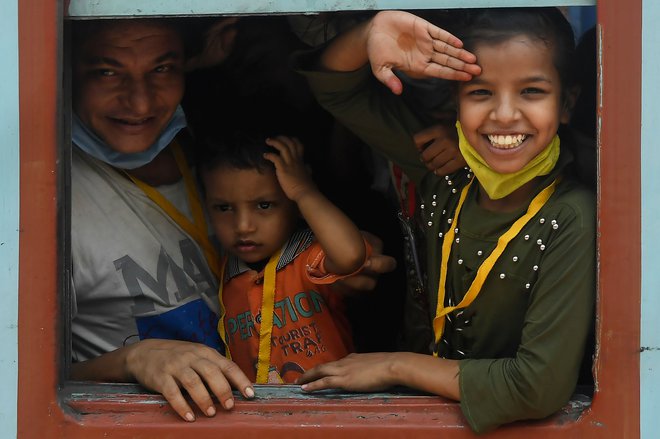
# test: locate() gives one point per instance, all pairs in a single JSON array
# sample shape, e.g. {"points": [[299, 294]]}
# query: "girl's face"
{"points": [[511, 111]]}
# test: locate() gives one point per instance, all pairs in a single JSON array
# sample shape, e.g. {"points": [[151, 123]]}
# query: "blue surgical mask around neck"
{"points": [[89, 142]]}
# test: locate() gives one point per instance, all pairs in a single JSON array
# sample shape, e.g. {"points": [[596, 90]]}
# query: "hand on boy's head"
{"points": [[438, 146], [291, 171], [399, 40], [218, 44]]}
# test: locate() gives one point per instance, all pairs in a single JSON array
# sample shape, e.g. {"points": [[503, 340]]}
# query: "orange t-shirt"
{"points": [[309, 322]]}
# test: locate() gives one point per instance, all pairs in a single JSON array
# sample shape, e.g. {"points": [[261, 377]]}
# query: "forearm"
{"points": [[427, 373], [340, 239], [379, 118], [110, 367], [347, 52]]}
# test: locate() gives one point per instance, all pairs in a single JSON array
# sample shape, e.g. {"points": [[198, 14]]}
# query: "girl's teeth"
{"points": [[506, 141]]}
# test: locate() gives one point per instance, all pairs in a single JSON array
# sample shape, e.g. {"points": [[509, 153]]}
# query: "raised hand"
{"points": [[292, 174], [399, 40]]}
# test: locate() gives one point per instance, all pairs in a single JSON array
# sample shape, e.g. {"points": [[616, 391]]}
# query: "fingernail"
{"points": [[304, 387], [210, 411], [249, 392], [189, 417], [229, 404]]}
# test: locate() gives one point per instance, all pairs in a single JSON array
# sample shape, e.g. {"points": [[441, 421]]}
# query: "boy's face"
{"points": [[251, 216], [128, 81], [512, 110]]}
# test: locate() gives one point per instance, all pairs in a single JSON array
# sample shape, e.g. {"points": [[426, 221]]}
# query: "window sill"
{"points": [[288, 409]]}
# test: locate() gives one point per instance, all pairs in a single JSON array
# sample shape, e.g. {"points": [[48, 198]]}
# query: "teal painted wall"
{"points": [[9, 208], [118, 8], [9, 175], [650, 355]]}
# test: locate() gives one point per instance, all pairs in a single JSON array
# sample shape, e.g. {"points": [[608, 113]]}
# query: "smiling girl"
{"points": [[510, 273]]}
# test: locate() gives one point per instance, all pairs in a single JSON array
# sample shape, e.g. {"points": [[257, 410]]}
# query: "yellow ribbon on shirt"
{"points": [[487, 265], [267, 317], [267, 312], [223, 312], [197, 229]]}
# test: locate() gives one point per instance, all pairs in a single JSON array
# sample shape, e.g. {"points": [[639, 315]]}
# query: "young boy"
{"points": [[278, 315]]}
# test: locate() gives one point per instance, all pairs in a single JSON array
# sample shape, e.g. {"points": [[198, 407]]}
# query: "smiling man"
{"points": [[145, 305], [129, 81]]}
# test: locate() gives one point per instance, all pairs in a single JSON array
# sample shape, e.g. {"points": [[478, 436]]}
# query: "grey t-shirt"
{"points": [[136, 274]]}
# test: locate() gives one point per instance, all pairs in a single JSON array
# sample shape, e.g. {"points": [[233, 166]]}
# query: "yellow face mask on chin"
{"points": [[499, 185]]}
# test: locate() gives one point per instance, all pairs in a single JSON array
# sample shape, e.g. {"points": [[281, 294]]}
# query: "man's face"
{"points": [[128, 81]]}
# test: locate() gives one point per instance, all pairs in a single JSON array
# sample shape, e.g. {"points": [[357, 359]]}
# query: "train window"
{"points": [[52, 405]]}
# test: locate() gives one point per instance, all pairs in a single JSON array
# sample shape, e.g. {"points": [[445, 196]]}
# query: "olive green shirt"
{"points": [[522, 340]]}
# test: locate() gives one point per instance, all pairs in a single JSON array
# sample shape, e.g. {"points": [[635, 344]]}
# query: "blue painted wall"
{"points": [[9, 208], [650, 356]]}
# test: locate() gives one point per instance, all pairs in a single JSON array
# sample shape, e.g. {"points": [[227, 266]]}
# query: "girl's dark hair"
{"points": [[495, 25], [238, 150]]}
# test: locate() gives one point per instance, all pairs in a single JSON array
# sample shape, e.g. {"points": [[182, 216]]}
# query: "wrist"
{"points": [[348, 52], [108, 367], [129, 358], [397, 368], [305, 193]]}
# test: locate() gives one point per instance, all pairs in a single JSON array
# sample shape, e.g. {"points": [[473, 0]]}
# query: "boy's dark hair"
{"points": [[238, 150], [494, 25]]}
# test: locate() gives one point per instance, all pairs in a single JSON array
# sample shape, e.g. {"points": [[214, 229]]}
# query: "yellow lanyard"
{"points": [[267, 312], [223, 312], [488, 263], [197, 229]]}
